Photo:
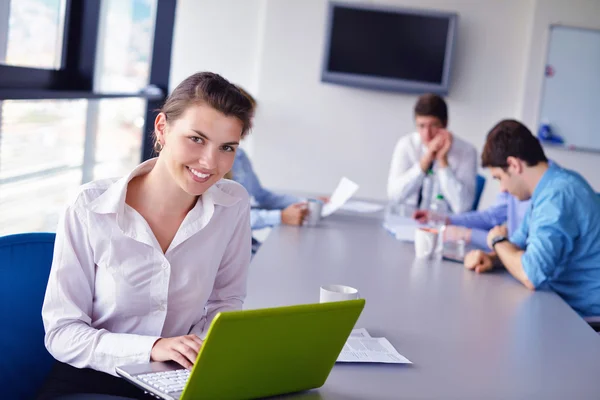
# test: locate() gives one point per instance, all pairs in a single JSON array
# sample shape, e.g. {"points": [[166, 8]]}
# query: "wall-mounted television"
{"points": [[384, 48]]}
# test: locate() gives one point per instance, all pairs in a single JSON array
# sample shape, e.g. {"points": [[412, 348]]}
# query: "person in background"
{"points": [[452, 160], [557, 247], [268, 208], [473, 226], [143, 264]]}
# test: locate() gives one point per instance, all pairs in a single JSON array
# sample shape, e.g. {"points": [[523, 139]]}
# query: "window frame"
{"points": [[75, 78]]}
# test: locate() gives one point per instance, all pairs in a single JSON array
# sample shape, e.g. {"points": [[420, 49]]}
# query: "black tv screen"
{"points": [[389, 49]]}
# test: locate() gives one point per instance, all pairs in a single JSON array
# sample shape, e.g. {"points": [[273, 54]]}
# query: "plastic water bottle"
{"points": [[427, 191], [437, 219]]}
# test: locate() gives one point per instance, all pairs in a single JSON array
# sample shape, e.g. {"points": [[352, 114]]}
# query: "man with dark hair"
{"points": [[433, 151], [557, 247]]}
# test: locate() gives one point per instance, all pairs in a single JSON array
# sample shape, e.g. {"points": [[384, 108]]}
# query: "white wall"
{"points": [[580, 13], [221, 36], [308, 134]]}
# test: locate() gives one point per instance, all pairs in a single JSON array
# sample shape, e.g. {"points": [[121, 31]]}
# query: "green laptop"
{"points": [[250, 354]]}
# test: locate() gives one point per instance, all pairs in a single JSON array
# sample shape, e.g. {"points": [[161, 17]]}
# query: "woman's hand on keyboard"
{"points": [[181, 349]]}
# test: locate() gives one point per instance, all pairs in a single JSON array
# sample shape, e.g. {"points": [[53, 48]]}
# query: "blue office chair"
{"points": [[25, 261], [479, 185]]}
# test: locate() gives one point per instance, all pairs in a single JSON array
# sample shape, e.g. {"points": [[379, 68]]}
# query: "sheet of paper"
{"points": [[402, 228], [361, 206], [370, 350], [362, 332], [344, 190]]}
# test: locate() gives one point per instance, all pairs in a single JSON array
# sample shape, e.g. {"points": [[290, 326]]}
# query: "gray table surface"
{"points": [[469, 336]]}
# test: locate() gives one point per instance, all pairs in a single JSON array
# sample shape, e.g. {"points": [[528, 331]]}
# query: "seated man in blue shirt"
{"points": [[557, 247], [268, 208], [474, 226]]}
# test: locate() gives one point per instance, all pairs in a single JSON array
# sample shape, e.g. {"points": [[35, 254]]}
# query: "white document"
{"points": [[342, 193], [370, 350], [362, 332], [361, 206], [403, 228]]}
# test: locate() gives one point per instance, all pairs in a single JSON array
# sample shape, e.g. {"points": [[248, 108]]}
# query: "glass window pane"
{"points": [[31, 33], [48, 148], [119, 137], [125, 45], [41, 151]]}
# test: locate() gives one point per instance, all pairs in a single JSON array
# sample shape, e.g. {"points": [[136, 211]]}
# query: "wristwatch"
{"points": [[497, 240]]}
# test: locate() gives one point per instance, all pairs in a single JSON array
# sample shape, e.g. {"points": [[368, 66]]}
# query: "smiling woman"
{"points": [[199, 128], [129, 249]]}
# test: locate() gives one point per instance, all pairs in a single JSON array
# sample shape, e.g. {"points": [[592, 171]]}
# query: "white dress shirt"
{"points": [[456, 182], [112, 292]]}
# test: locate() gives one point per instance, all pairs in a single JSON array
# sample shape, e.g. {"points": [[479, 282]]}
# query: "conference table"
{"points": [[468, 335]]}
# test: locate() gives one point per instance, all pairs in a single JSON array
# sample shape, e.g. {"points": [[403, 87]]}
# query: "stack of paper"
{"points": [[361, 206], [361, 347], [403, 228]]}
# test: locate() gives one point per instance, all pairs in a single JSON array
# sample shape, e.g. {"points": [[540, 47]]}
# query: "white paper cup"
{"points": [[425, 242], [338, 293], [315, 206]]}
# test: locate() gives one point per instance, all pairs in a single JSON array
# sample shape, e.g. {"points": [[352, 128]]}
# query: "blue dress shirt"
{"points": [[561, 238], [266, 205], [508, 209]]}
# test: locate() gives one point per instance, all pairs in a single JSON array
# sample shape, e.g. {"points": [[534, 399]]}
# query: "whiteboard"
{"points": [[570, 101]]}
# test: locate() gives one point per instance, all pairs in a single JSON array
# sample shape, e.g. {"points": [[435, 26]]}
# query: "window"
{"points": [[119, 137], [31, 33], [126, 34], [48, 148], [41, 149], [71, 105]]}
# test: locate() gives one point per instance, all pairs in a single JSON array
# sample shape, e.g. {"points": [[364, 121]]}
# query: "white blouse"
{"points": [[112, 292]]}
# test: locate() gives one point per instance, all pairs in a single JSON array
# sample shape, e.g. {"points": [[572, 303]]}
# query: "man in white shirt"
{"points": [[452, 160]]}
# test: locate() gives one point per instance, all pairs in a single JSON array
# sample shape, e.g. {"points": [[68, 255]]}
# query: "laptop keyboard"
{"points": [[168, 381]]}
